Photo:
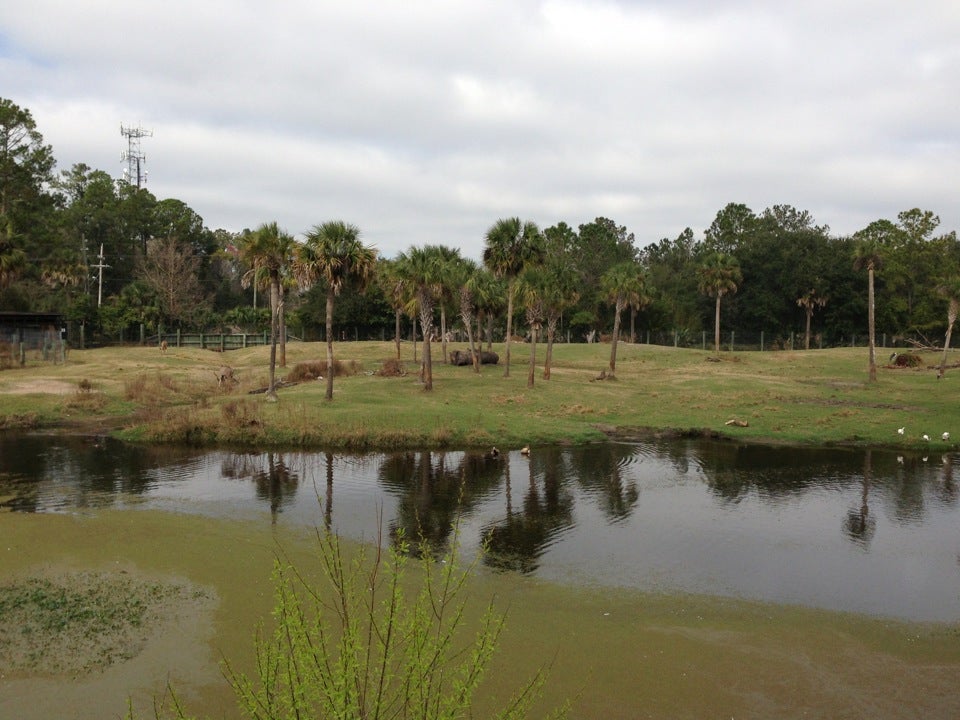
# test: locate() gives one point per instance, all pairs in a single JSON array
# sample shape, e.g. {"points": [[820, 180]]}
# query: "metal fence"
{"points": [[732, 340]]}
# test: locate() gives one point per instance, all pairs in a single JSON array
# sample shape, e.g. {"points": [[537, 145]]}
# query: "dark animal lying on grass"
{"points": [[465, 357]]}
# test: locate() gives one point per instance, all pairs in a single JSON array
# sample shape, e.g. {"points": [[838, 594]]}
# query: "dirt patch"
{"points": [[45, 387]]}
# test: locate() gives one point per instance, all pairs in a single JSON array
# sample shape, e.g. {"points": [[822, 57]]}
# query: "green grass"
{"points": [[809, 397]]}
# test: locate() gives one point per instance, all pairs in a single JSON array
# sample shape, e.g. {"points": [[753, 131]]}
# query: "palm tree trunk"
{"points": [[533, 355], [274, 308], [952, 309], [806, 337], [282, 316], [396, 334], [330, 296], [716, 326], [616, 337], [633, 325], [426, 324], [443, 332], [548, 360], [474, 352], [414, 339], [427, 365], [506, 372], [871, 329]]}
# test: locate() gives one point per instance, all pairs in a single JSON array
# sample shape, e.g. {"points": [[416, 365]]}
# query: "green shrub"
{"points": [[364, 646]]}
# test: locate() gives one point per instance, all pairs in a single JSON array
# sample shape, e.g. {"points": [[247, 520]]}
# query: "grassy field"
{"points": [[809, 397], [614, 653]]}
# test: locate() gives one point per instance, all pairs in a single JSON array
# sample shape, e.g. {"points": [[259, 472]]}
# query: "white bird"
{"points": [[525, 450], [945, 436], [926, 437], [900, 431], [900, 459]]}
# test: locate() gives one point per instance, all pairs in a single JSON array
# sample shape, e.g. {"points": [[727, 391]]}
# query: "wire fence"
{"points": [[734, 341]]}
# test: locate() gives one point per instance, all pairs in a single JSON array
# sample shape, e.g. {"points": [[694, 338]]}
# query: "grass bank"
{"points": [[817, 397]]}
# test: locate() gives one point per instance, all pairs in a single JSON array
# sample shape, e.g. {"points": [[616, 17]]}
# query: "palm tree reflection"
{"points": [[600, 471], [858, 524], [433, 491], [520, 539], [274, 481]]}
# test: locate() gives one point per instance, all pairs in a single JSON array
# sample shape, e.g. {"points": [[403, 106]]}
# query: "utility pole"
{"points": [[100, 266]]}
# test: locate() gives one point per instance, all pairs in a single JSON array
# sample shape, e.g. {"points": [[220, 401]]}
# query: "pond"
{"points": [[863, 531]]}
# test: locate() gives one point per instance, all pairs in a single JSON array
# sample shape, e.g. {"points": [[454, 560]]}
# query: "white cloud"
{"points": [[425, 121]]}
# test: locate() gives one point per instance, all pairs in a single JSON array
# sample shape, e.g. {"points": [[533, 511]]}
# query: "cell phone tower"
{"points": [[135, 172]]}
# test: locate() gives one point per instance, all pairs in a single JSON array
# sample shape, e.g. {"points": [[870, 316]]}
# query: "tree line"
{"points": [[114, 258]]}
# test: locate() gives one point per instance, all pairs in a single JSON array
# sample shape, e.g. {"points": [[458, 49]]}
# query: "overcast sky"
{"points": [[426, 121]]}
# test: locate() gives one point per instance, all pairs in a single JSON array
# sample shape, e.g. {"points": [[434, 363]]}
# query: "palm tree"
{"points": [[488, 294], [532, 287], [867, 256], [719, 275], [422, 268], [950, 290], [622, 285], [394, 290], [268, 250], [468, 273], [562, 294], [511, 245], [448, 273], [333, 254], [809, 301]]}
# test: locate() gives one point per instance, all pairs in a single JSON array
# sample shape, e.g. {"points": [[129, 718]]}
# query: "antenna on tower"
{"points": [[135, 172]]}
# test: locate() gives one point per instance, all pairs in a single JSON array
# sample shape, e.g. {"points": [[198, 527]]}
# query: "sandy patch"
{"points": [[47, 387]]}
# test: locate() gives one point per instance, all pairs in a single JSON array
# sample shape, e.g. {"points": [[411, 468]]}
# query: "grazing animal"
{"points": [[225, 375], [163, 347]]}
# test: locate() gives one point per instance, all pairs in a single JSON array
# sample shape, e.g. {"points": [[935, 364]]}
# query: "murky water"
{"points": [[862, 531]]}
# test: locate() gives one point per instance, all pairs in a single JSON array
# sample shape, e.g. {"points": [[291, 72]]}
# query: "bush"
{"points": [[363, 647], [391, 368], [359, 644], [315, 369]]}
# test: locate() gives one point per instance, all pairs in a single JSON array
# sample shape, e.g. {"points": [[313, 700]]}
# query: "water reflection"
{"points": [[52, 472], [520, 538], [432, 487], [868, 531], [273, 480], [858, 525]]}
